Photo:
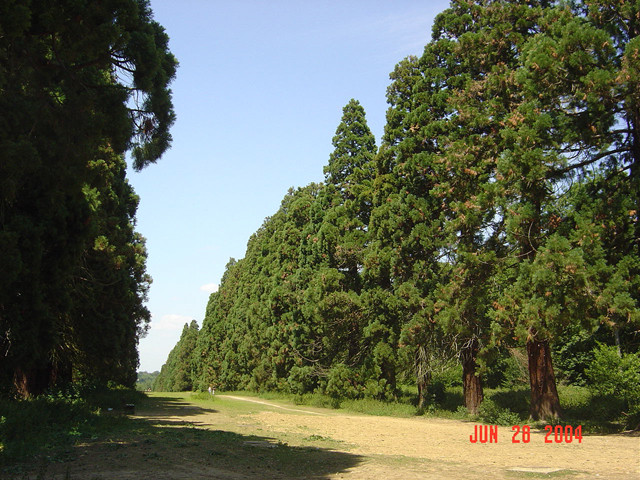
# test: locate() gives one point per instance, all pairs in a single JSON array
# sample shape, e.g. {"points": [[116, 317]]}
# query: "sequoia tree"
{"points": [[336, 247], [401, 261], [578, 113], [76, 78], [543, 96], [464, 96], [107, 318], [177, 374]]}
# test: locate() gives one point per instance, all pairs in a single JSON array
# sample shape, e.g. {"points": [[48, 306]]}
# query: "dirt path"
{"points": [[234, 437], [443, 448]]}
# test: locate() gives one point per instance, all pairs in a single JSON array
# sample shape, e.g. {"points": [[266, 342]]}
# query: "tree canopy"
{"points": [[500, 213], [81, 83]]}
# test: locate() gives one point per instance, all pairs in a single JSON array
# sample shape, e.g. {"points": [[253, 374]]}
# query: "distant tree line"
{"points": [[500, 213], [81, 83], [145, 380]]}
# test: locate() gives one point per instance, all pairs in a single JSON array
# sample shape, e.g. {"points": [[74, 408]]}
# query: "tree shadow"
{"points": [[162, 445], [161, 406], [166, 448], [162, 451]]}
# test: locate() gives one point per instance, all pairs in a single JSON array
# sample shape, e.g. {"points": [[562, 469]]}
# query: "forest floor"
{"points": [[233, 437]]}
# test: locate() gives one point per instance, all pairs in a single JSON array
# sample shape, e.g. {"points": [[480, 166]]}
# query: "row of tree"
{"points": [[81, 83], [501, 210]]}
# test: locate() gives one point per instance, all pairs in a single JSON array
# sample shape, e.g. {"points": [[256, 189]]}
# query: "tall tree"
{"points": [[289, 312], [178, 373], [538, 99], [577, 113], [354, 149], [401, 259], [254, 331], [466, 93], [75, 78], [110, 284], [336, 248]]}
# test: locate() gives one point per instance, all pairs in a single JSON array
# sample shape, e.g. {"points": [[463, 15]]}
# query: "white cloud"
{"points": [[209, 287], [170, 322]]}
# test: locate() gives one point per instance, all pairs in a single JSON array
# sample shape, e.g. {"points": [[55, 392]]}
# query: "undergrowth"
{"points": [[48, 426], [501, 406]]}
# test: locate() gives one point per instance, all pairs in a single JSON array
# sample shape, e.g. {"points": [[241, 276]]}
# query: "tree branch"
{"points": [[600, 156]]}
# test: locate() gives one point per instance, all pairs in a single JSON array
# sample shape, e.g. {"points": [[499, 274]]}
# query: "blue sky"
{"points": [[258, 96]]}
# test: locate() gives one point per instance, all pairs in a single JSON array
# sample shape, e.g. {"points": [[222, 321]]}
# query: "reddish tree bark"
{"points": [[36, 380], [545, 403], [472, 389], [31, 381]]}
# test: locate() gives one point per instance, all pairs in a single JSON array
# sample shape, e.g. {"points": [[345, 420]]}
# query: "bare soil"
{"points": [[241, 437]]}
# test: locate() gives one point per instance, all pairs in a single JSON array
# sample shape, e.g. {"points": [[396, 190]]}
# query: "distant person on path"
{"points": [[212, 391]]}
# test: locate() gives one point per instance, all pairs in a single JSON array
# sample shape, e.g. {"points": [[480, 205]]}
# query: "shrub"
{"points": [[300, 380], [375, 389], [436, 392], [340, 383], [612, 374], [616, 377], [508, 370], [490, 413], [450, 377]]}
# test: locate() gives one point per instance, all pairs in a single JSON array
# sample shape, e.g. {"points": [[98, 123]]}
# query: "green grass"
{"points": [[39, 436], [366, 405], [380, 408], [52, 429], [50, 425], [505, 406]]}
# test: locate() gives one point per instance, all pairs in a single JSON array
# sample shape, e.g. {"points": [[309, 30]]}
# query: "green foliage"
{"points": [[145, 380], [301, 380], [616, 377], [508, 370], [111, 278], [491, 413], [354, 149], [496, 225], [81, 83], [341, 384], [178, 375], [289, 316]]}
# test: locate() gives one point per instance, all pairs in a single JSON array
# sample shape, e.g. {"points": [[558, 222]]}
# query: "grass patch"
{"points": [[503, 406], [50, 425], [558, 474], [380, 408], [365, 405], [597, 414], [112, 441]]}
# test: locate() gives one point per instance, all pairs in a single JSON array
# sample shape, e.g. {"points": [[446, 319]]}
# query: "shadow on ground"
{"points": [[161, 406], [162, 448]]}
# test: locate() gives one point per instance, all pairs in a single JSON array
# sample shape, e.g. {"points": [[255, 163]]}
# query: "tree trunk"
{"points": [[423, 375], [545, 404], [36, 380], [616, 335], [31, 381], [472, 391], [389, 374], [422, 392]]}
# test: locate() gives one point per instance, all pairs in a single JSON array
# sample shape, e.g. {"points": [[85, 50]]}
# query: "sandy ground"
{"points": [[275, 440], [443, 448]]}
